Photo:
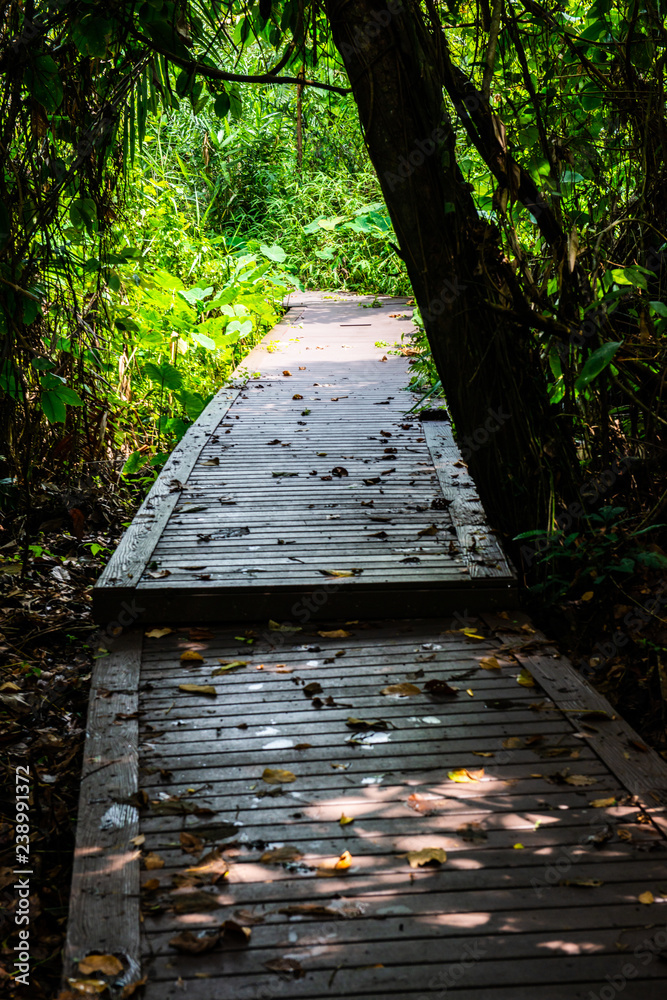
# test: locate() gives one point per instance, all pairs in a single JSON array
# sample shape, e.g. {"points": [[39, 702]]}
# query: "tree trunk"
{"points": [[493, 383]]}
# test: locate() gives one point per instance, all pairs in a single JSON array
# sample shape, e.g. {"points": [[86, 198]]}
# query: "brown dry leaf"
{"points": [[646, 897], [463, 775], [276, 776], [401, 689], [303, 746], [237, 931], [483, 753], [340, 572], [472, 832], [602, 803], [190, 843], [433, 530], [425, 804], [212, 864], [338, 633], [489, 663], [286, 372], [198, 689], [248, 918], [138, 840], [363, 725], [157, 633], [281, 854], [150, 885], [345, 820], [153, 861], [192, 655], [287, 965], [512, 742], [297, 395], [427, 856], [108, 965], [440, 689], [131, 988], [198, 901], [580, 779], [194, 944]]}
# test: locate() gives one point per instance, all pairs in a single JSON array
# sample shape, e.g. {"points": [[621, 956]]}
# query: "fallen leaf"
{"points": [[286, 372], [193, 655], [138, 840], [588, 596], [190, 843], [425, 804], [277, 627], [602, 803], [579, 779], [287, 965], [484, 753], [340, 572], [489, 663], [344, 861], [150, 885], [345, 820], [463, 775], [157, 633], [338, 633], [512, 742], [212, 461], [440, 688], [525, 678], [198, 689], [194, 944], [339, 471], [297, 395], [401, 689], [276, 776], [157, 574], [131, 988], [227, 666], [582, 883], [362, 724], [646, 897], [198, 901], [88, 986], [518, 847], [312, 689], [234, 929], [212, 864], [281, 854], [108, 965], [151, 862], [472, 832], [427, 856], [433, 530]]}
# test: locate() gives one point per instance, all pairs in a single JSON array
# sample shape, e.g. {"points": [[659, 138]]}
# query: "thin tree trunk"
{"points": [[494, 385]]}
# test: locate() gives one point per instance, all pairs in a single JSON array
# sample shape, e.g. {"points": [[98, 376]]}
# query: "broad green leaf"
{"points": [[274, 253], [53, 406], [164, 375], [203, 340], [596, 363], [135, 462], [43, 81], [629, 276]]}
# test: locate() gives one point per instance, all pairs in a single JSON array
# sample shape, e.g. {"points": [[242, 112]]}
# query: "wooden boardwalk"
{"points": [[431, 806]]}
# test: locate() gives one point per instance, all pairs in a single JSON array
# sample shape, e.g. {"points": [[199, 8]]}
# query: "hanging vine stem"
{"points": [[490, 58]]}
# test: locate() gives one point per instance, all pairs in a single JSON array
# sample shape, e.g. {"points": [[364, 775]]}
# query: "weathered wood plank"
{"points": [[104, 901]]}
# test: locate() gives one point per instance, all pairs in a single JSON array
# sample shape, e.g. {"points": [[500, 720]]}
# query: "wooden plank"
{"points": [[481, 550], [104, 900], [639, 768]]}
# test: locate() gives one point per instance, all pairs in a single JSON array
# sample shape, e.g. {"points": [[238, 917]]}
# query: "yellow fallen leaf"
{"points": [[526, 679], [483, 753], [338, 633], [518, 847], [402, 689], [429, 855], [138, 840], [646, 897], [157, 633], [588, 596], [471, 633], [198, 689], [276, 776], [470, 692], [489, 663], [602, 803], [580, 780], [228, 665], [151, 861], [341, 572], [344, 820], [344, 861], [462, 775], [108, 965], [192, 655]]}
